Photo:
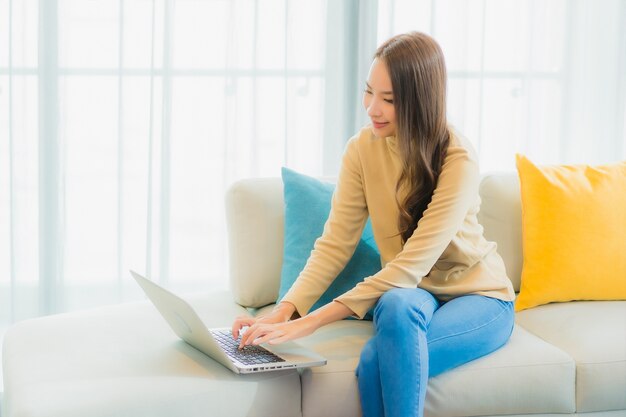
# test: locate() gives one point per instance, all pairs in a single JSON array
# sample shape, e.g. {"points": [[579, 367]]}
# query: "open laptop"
{"points": [[218, 343]]}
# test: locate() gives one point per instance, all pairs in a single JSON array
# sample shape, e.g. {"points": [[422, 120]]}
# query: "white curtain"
{"points": [[542, 78], [123, 122]]}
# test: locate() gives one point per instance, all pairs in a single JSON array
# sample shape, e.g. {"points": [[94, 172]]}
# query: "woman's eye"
{"points": [[367, 91], [389, 101]]}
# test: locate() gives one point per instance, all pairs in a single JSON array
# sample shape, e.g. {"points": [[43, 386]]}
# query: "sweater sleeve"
{"points": [[454, 195], [342, 231]]}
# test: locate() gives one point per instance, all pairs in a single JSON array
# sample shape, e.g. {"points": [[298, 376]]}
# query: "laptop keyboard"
{"points": [[249, 355]]}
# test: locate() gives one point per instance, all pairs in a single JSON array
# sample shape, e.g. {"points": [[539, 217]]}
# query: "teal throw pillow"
{"points": [[307, 206]]}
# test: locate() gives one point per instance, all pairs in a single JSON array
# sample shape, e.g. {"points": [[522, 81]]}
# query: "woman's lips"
{"points": [[379, 125]]}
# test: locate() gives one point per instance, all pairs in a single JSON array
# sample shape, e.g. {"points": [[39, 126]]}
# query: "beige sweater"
{"points": [[447, 254]]}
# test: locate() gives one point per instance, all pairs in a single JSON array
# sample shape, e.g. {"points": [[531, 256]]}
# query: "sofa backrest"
{"points": [[255, 222], [501, 216]]}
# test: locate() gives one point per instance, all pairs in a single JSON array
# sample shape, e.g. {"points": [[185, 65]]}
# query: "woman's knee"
{"points": [[507, 323], [399, 304]]}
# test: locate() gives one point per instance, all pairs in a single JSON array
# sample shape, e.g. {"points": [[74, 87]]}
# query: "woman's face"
{"points": [[378, 100]]}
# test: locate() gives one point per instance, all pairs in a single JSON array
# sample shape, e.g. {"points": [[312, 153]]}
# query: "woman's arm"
{"points": [[342, 232], [281, 313], [331, 253]]}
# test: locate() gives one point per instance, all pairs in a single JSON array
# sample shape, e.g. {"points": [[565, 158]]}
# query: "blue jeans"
{"points": [[416, 337]]}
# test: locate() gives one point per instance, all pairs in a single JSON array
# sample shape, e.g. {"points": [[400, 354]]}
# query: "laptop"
{"points": [[218, 343]]}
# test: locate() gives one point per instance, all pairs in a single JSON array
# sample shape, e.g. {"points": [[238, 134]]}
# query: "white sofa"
{"points": [[562, 359]]}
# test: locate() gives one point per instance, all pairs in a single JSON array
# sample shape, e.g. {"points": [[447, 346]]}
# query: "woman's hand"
{"points": [[274, 333], [281, 313], [265, 330]]}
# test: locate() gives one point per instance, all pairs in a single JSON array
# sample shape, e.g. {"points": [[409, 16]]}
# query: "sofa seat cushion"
{"points": [[332, 390], [126, 361], [525, 376], [593, 333]]}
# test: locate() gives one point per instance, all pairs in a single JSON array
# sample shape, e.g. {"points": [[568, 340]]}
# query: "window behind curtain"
{"points": [[544, 78], [123, 122], [159, 105]]}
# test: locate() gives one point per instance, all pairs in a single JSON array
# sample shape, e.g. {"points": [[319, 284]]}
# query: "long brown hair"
{"points": [[417, 70]]}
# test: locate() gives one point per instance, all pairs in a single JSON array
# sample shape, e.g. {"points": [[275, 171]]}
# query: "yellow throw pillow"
{"points": [[574, 233]]}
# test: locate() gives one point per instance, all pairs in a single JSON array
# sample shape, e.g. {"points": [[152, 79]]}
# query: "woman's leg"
{"points": [[368, 375], [461, 330], [466, 328], [393, 371]]}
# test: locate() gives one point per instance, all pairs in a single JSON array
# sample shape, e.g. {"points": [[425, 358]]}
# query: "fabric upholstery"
{"points": [[616, 413], [527, 375], [562, 359], [593, 333], [307, 205], [255, 221], [574, 223], [255, 207], [125, 361], [501, 217]]}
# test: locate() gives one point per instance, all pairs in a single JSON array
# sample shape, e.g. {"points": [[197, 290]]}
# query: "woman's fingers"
{"points": [[261, 332], [241, 321], [269, 337], [254, 332], [249, 335], [244, 337]]}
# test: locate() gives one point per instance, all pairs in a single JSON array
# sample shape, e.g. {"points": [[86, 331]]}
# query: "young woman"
{"points": [[442, 297]]}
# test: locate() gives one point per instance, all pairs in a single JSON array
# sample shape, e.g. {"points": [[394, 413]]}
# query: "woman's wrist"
{"points": [[329, 313], [285, 309], [333, 311], [312, 320]]}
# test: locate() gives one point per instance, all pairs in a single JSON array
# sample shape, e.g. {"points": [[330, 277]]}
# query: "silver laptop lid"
{"points": [[186, 323], [183, 320]]}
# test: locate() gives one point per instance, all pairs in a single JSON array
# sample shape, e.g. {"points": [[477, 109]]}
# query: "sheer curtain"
{"points": [[122, 123], [543, 78]]}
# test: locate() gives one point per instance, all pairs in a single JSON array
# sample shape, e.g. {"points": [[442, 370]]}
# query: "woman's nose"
{"points": [[373, 109]]}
